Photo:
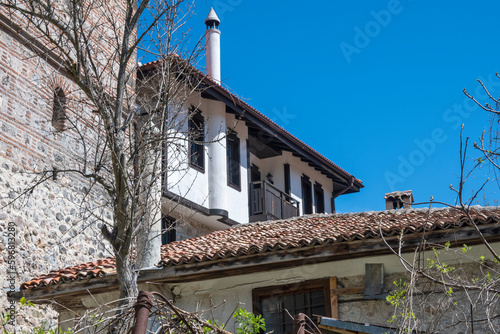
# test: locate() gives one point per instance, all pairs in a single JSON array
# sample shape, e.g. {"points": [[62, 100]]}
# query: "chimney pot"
{"points": [[212, 20], [398, 200]]}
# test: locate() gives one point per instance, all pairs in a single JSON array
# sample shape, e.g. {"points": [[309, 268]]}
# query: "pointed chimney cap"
{"points": [[212, 19]]}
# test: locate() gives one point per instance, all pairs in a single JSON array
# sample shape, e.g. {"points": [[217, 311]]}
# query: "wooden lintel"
{"points": [[348, 291]]}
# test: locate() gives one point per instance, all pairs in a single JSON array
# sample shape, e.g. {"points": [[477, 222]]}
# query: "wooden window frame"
{"points": [[319, 201], [327, 285], [196, 133], [233, 147], [168, 230], [286, 169], [306, 185]]}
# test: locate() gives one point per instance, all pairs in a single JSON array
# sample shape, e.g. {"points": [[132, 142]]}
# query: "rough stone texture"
{"points": [[433, 308], [44, 243], [52, 228], [355, 308], [186, 229]]}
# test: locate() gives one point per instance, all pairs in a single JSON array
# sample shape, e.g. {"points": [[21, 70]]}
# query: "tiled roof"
{"points": [[98, 268], [287, 234], [397, 194], [248, 108]]}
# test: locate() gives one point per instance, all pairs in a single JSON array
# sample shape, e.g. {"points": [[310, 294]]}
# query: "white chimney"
{"points": [[212, 37]]}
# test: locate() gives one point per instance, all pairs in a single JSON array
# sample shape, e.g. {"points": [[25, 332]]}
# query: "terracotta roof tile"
{"points": [[285, 234], [93, 269]]}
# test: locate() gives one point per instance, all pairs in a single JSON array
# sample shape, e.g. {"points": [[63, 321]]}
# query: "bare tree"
{"points": [[121, 127], [453, 287], [489, 142]]}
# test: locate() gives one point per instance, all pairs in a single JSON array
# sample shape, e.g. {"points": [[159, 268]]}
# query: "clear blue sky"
{"points": [[375, 86]]}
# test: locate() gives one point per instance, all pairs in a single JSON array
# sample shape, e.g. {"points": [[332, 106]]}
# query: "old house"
{"points": [[339, 266], [240, 167]]}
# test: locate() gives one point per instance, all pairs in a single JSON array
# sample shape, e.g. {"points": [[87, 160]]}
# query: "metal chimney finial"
{"points": [[212, 20]]}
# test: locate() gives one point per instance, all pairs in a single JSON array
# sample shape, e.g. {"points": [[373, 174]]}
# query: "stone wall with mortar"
{"points": [[52, 225]]}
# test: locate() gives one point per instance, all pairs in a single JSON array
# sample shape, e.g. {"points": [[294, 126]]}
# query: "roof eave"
{"points": [[274, 260], [247, 112]]}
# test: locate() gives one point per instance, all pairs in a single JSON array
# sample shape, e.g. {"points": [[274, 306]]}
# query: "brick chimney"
{"points": [[398, 200]]}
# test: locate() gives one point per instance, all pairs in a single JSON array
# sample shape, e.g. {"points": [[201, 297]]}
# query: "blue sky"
{"points": [[375, 86]]}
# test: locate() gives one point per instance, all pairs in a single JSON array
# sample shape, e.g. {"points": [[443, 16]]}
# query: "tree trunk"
{"points": [[149, 199], [127, 277]]}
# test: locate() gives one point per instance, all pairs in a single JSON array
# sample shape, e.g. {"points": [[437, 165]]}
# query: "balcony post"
{"points": [[282, 198]]}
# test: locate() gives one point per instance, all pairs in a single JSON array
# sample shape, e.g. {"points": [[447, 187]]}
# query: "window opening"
{"points": [[168, 230], [196, 125], [233, 160], [276, 303], [59, 109], [319, 198], [287, 179], [307, 207]]}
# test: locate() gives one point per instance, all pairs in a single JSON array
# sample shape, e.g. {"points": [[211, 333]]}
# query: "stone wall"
{"points": [[55, 222], [186, 229]]}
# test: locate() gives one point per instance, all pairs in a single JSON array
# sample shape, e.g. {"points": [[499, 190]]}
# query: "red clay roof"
{"points": [[285, 234], [93, 269], [248, 108]]}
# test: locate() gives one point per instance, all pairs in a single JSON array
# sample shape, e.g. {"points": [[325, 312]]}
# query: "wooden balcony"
{"points": [[269, 203]]}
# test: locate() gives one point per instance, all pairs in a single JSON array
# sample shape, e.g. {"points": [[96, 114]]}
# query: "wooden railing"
{"points": [[268, 202]]}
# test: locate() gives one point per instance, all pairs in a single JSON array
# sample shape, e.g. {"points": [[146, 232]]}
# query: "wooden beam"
{"points": [[348, 291], [334, 298]]}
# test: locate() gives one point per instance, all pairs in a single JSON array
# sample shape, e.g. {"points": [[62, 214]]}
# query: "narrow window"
{"points": [[233, 160], [319, 198], [287, 179], [307, 207], [168, 232], [196, 126], [59, 109]]}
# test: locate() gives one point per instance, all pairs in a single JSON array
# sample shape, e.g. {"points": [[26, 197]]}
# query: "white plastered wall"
{"points": [[193, 184], [185, 181], [238, 199]]}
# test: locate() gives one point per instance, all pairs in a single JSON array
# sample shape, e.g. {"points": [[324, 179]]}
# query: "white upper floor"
{"points": [[233, 165]]}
